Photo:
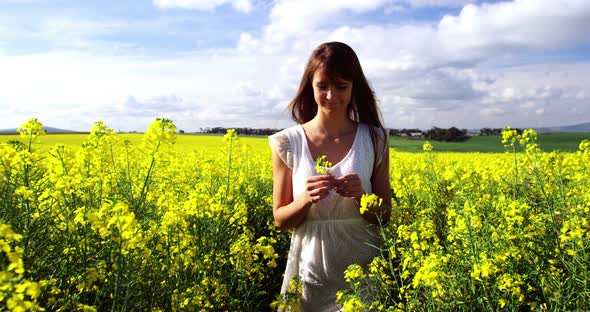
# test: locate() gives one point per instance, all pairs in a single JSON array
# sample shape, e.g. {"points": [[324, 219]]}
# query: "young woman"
{"points": [[337, 116]]}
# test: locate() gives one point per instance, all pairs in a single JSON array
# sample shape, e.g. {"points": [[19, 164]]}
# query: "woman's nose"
{"points": [[329, 93]]}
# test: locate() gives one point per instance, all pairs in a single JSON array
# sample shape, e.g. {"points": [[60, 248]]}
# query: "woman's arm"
{"points": [[350, 186], [288, 211]]}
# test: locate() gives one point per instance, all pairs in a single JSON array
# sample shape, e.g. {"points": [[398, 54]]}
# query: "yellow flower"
{"points": [[86, 308], [584, 145], [510, 137], [161, 131], [369, 201], [230, 136], [31, 130], [503, 302], [353, 304], [33, 290], [290, 301], [322, 165], [528, 136], [354, 272]]}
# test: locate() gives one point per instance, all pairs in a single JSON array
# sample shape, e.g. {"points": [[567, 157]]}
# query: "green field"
{"points": [[562, 141]]}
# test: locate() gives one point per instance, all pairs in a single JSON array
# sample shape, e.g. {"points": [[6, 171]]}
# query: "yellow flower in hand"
{"points": [[322, 165]]}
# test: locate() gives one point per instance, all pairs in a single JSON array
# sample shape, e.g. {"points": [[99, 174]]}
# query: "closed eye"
{"points": [[339, 87]]}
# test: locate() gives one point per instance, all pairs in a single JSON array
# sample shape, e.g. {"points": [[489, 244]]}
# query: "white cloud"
{"points": [[246, 88], [122, 89], [296, 19], [486, 32], [153, 105], [440, 73], [521, 24], [537, 95], [435, 3], [248, 44], [508, 94], [528, 105], [490, 111], [435, 66], [244, 6]]}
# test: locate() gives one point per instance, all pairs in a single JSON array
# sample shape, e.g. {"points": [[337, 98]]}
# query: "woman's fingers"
{"points": [[323, 177], [319, 196], [320, 184], [349, 182], [349, 185], [318, 187]]}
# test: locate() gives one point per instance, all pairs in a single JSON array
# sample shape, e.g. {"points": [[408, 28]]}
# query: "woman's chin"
{"points": [[333, 107]]}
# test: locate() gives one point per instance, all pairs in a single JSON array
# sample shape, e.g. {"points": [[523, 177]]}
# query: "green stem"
{"points": [[147, 179], [231, 140], [515, 174]]}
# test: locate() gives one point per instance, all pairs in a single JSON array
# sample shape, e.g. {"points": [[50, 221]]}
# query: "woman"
{"points": [[337, 116]]}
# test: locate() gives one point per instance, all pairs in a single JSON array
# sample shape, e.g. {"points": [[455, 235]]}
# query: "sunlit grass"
{"points": [[559, 141]]}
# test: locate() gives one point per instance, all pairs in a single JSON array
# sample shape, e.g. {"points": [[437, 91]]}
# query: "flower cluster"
{"points": [[484, 231], [131, 222], [31, 130], [369, 201], [322, 165], [16, 292], [118, 222], [427, 146], [290, 300]]}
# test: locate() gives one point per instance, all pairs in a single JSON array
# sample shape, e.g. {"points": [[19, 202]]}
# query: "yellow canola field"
{"points": [[482, 232], [163, 222], [184, 142]]}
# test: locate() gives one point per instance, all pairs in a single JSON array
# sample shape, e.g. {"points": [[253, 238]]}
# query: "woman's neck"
{"points": [[333, 126]]}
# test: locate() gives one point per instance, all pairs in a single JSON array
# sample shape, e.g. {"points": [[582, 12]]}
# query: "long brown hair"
{"points": [[339, 61]]}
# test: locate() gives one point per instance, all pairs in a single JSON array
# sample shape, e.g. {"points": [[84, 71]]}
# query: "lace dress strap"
{"points": [[280, 143]]}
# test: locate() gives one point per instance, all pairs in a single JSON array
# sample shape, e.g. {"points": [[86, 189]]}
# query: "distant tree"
{"points": [[241, 131], [180, 131], [485, 131], [490, 131], [452, 134], [496, 131]]}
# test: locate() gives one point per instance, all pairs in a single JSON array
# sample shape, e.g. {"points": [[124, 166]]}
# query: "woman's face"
{"points": [[331, 94]]}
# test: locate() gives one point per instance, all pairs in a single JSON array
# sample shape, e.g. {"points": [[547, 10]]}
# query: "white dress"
{"points": [[334, 235]]}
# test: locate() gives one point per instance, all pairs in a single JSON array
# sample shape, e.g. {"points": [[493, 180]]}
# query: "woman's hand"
{"points": [[319, 186], [349, 186]]}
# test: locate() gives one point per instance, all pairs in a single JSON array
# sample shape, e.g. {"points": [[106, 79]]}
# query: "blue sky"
{"points": [[237, 63]]}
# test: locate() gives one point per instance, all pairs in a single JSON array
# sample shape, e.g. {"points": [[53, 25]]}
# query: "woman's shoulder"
{"points": [[380, 132], [287, 132], [284, 143]]}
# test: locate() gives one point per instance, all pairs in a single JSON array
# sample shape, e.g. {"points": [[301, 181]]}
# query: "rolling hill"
{"points": [[47, 129], [583, 127]]}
